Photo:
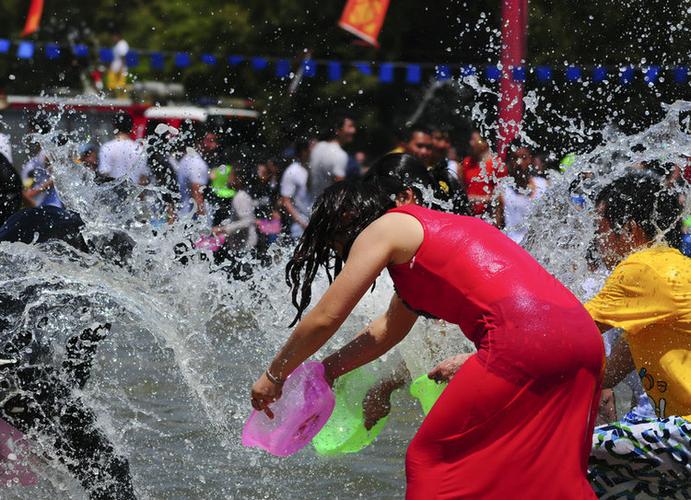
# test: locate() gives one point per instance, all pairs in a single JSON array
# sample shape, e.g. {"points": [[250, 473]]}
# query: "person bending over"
{"points": [[528, 396]]}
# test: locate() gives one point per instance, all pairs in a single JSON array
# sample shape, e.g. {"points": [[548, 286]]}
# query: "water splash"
{"points": [[170, 383]]}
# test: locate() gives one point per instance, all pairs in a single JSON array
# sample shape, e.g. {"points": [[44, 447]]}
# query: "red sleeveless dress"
{"points": [[517, 419]]}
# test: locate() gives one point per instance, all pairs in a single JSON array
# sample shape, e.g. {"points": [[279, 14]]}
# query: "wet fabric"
{"points": [[648, 295], [644, 458], [517, 418]]}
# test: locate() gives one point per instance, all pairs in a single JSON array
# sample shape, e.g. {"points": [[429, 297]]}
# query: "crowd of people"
{"points": [[250, 205], [400, 212]]}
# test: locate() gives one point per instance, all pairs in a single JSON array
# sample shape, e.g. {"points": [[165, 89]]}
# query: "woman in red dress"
{"points": [[517, 418]]}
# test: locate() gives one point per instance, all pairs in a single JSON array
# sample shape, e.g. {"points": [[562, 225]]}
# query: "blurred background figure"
{"points": [[444, 172], [363, 160], [295, 197], [441, 151], [540, 163], [220, 193], [160, 156], [210, 149], [514, 202], [116, 79], [5, 142], [356, 163], [123, 157], [39, 188], [417, 141], [238, 226], [328, 160], [192, 172], [275, 168], [88, 156], [479, 174], [265, 194]]}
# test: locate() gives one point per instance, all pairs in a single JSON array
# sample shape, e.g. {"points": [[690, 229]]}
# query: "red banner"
{"points": [[33, 19], [364, 18]]}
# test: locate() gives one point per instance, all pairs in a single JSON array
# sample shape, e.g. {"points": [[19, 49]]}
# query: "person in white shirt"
{"points": [[193, 174], [328, 160], [515, 201], [123, 157], [295, 197]]}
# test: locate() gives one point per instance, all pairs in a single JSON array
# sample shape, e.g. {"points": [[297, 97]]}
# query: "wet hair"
{"points": [[641, 197], [340, 214], [123, 122], [395, 172]]}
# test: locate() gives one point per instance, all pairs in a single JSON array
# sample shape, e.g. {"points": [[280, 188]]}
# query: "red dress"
{"points": [[517, 419]]}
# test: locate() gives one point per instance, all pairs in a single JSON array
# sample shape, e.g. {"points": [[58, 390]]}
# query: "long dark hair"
{"points": [[339, 215], [641, 197], [395, 172]]}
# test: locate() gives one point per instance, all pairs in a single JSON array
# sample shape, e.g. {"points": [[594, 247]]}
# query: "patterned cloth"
{"points": [[644, 458]]}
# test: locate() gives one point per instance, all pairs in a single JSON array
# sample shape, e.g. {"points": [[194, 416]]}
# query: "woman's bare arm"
{"points": [[392, 238], [381, 335]]}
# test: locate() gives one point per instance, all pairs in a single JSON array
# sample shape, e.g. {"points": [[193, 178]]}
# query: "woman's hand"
{"points": [[445, 370], [265, 392]]}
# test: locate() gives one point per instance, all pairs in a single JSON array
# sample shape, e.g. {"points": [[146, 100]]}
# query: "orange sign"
{"points": [[33, 19], [364, 18]]}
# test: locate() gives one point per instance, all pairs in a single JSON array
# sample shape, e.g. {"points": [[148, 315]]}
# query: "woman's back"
{"points": [[469, 273]]}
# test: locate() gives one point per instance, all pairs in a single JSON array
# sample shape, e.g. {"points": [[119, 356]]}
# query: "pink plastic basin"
{"points": [[299, 414]]}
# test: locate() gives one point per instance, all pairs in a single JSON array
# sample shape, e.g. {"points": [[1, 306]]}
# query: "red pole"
{"points": [[513, 36]]}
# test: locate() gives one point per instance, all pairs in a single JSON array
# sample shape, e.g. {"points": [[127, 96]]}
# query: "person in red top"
{"points": [[480, 172], [516, 420]]}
